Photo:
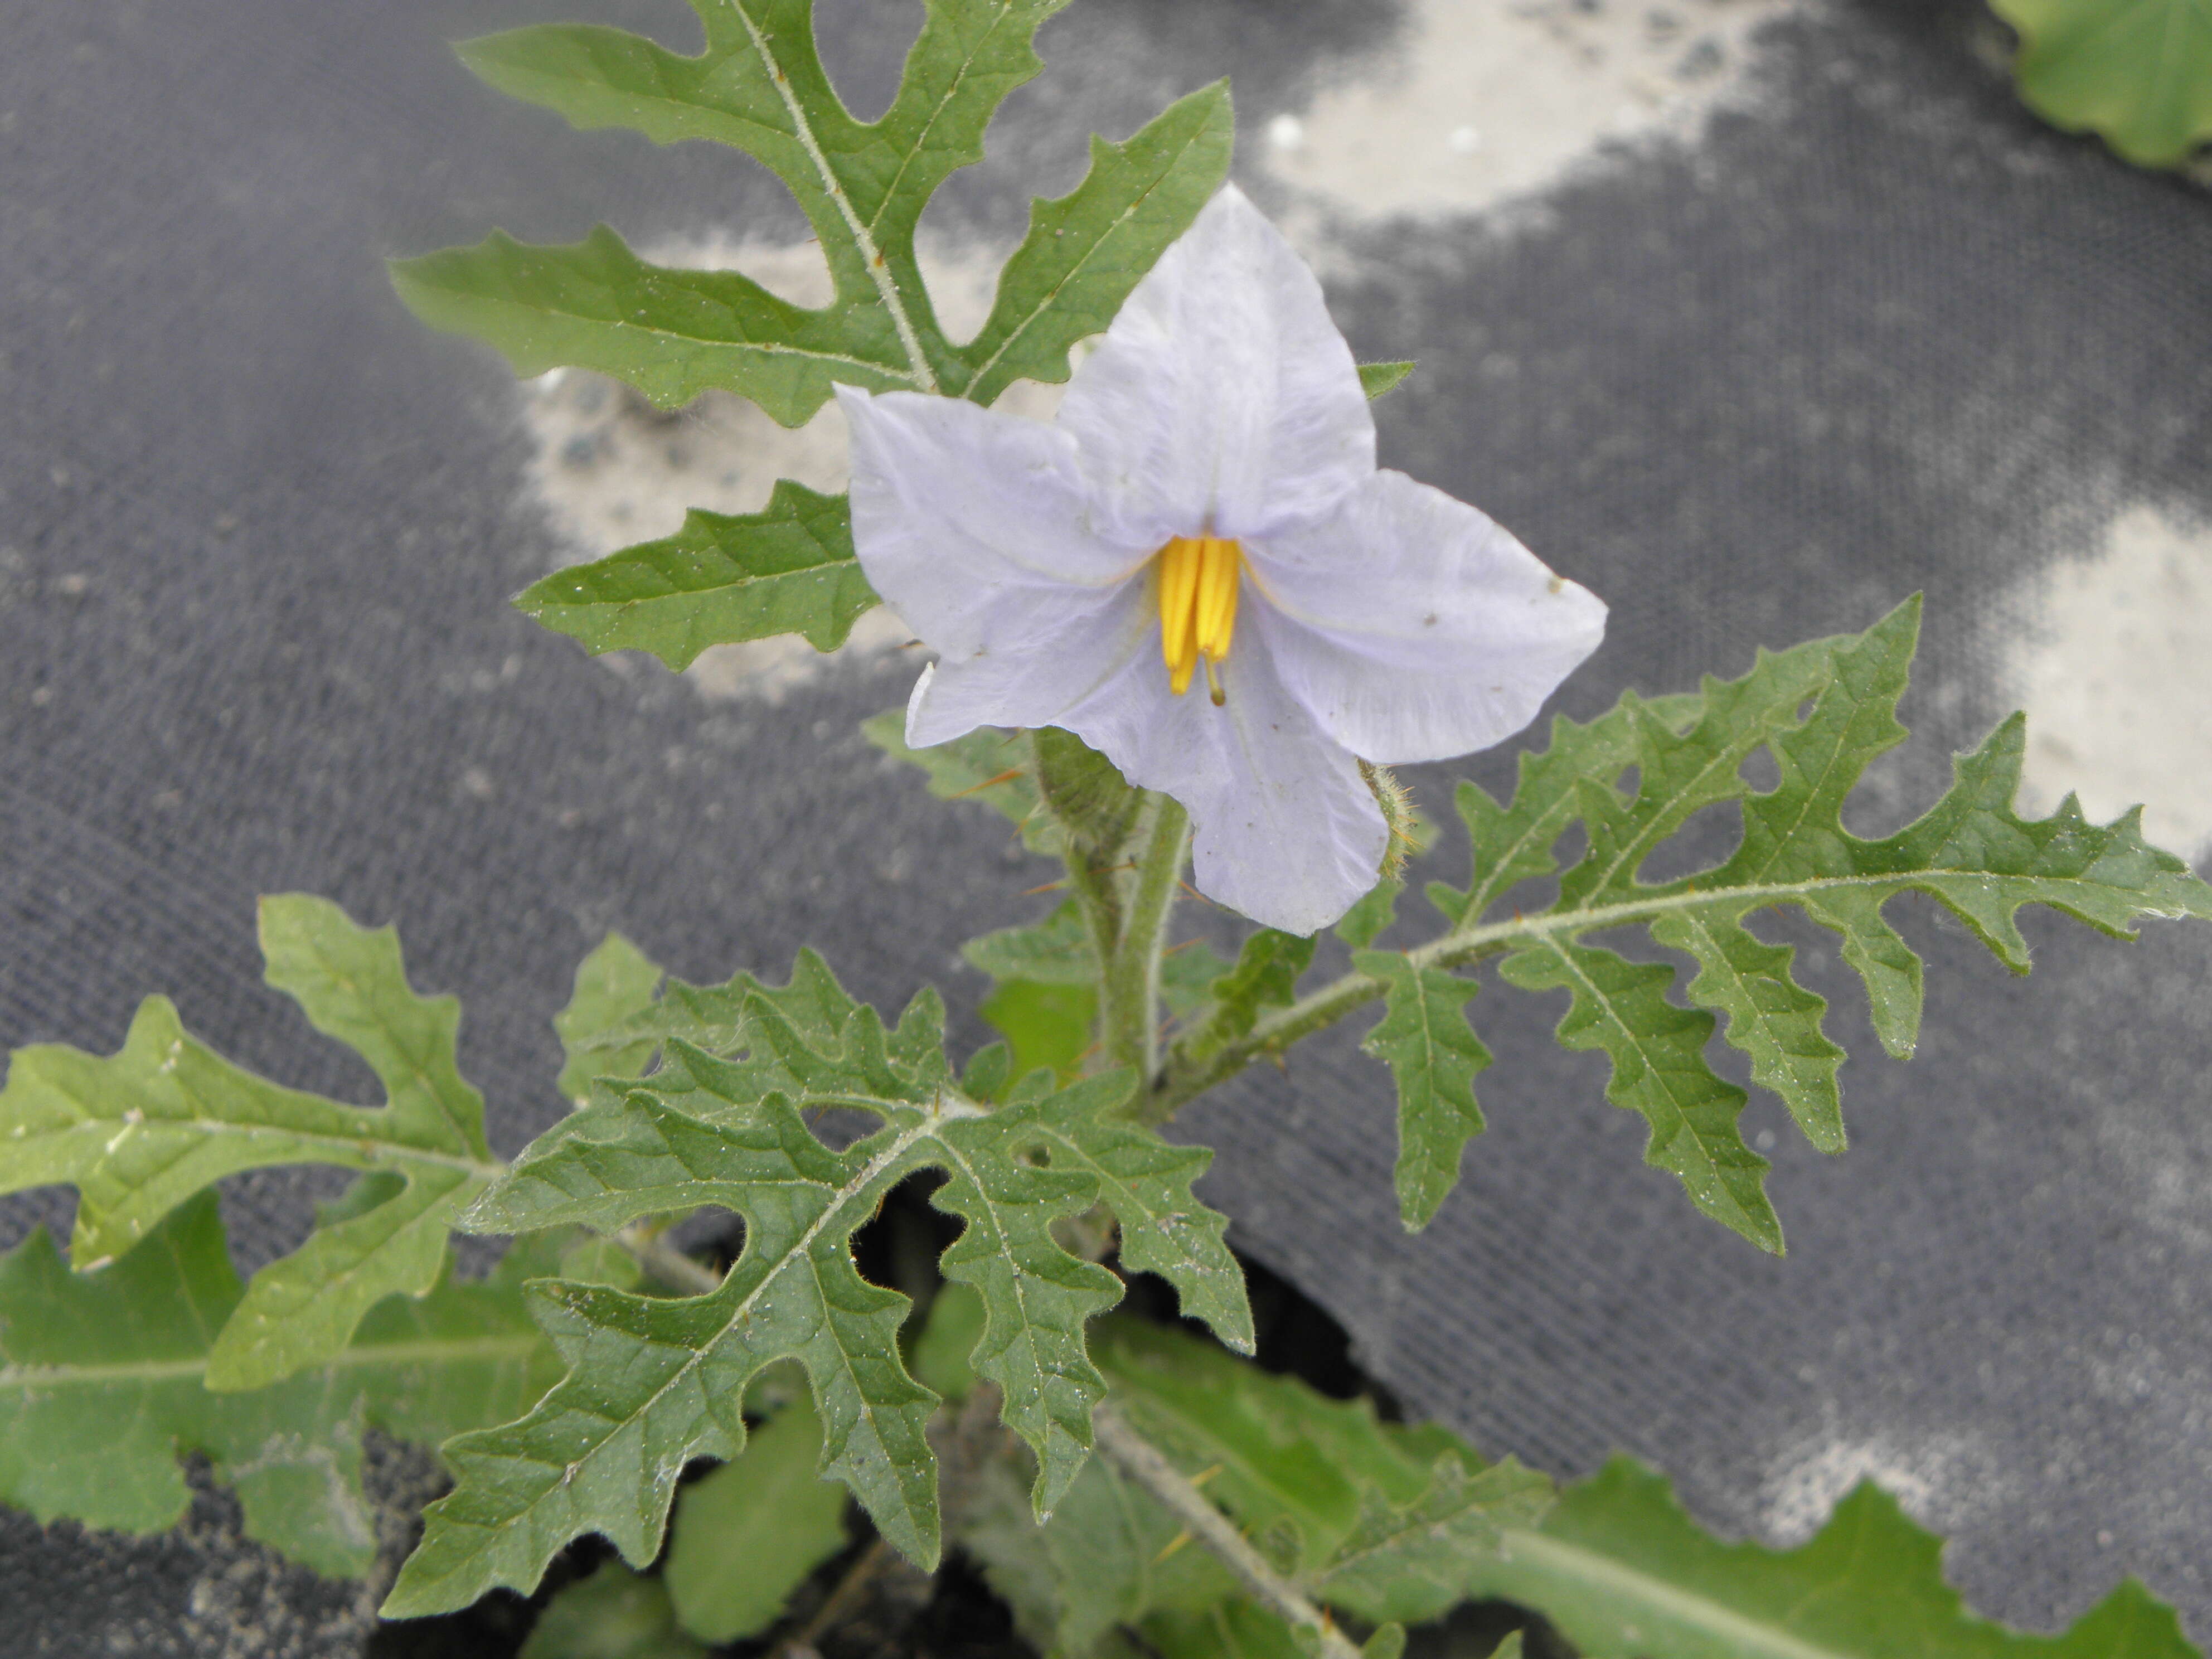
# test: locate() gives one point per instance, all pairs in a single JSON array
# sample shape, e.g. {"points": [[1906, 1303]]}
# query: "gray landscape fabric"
{"points": [[1877, 331]]}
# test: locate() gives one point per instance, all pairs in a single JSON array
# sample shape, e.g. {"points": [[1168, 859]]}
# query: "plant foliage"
{"points": [[103, 1387], [2138, 73], [759, 86], [654, 1382], [1821, 711], [569, 1400], [139, 1131], [614, 1614], [746, 1535], [1624, 1574], [1378, 1522]]}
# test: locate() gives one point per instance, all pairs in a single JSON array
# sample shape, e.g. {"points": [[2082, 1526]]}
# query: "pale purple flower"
{"points": [[1209, 490]]}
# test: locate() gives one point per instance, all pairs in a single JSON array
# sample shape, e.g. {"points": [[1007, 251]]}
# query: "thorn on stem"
{"points": [[1007, 776]]}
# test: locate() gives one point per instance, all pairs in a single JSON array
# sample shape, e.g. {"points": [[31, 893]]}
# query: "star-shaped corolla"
{"points": [[1208, 499]]}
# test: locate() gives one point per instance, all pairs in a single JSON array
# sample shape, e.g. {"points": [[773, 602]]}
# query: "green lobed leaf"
{"points": [[750, 1533], [1626, 1575], [1406, 1562], [793, 1030], [1057, 950], [654, 1382], [616, 981], [672, 334], [1085, 251], [139, 1131], [102, 1389], [1659, 1070], [1513, 843], [1147, 1182], [614, 1614], [1433, 1054], [1823, 711], [1266, 975], [2138, 73], [720, 579], [1038, 1296]]}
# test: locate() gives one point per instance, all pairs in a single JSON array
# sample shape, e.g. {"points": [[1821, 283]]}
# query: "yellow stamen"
{"points": [[1198, 578]]}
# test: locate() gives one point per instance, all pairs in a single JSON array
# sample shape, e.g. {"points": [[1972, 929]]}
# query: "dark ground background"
{"points": [[257, 530]]}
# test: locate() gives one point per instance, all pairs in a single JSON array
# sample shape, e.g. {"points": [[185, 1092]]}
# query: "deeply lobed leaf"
{"points": [[1433, 1054], [140, 1132], [759, 86], [1378, 1522], [1822, 711], [719, 579], [1624, 1574], [103, 1375], [653, 1383]]}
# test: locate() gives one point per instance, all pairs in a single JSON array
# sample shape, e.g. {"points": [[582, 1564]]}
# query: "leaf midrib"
{"points": [[1462, 949], [921, 138], [34, 1378], [1659, 1076], [377, 1008], [1590, 1567], [1016, 331], [870, 256], [802, 1249], [375, 1145], [623, 325]]}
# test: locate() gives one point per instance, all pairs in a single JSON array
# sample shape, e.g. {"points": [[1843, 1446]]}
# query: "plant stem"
{"points": [[1138, 1459], [842, 1599], [677, 1271], [1131, 987]]}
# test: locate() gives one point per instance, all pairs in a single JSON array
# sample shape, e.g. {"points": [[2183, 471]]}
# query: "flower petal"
{"points": [[971, 525], [1282, 827], [1223, 394], [1035, 678], [1414, 628]]}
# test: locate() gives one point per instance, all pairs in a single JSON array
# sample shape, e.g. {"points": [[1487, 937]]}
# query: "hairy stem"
{"points": [[1141, 1462], [674, 1269], [1131, 999]]}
